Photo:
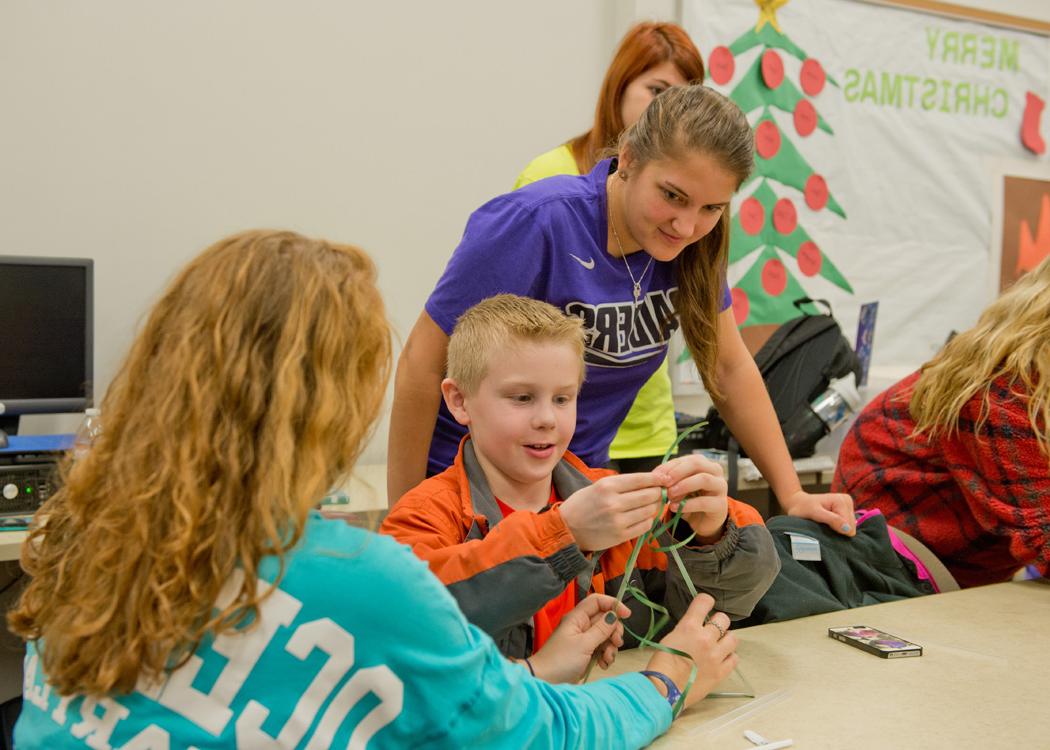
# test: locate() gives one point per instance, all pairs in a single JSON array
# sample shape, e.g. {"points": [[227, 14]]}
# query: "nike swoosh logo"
{"points": [[588, 264]]}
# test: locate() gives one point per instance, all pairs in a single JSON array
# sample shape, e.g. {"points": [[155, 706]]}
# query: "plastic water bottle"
{"points": [[835, 405], [87, 433], [827, 411]]}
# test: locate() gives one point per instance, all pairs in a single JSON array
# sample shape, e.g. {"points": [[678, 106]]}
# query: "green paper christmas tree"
{"points": [[765, 232]]}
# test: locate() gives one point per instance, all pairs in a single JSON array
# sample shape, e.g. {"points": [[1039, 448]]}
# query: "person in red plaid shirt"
{"points": [[958, 453]]}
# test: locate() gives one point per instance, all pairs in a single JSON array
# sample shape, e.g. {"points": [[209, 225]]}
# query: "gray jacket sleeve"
{"points": [[737, 570]]}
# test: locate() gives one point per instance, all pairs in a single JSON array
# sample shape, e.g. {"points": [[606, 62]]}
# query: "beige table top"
{"points": [[982, 681]]}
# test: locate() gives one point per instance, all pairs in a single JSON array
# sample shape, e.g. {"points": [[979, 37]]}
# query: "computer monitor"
{"points": [[46, 329]]}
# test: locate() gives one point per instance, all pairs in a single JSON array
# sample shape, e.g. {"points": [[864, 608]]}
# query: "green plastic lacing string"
{"points": [[657, 623]]}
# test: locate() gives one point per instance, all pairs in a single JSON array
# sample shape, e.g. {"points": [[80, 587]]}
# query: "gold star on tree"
{"points": [[767, 13]]}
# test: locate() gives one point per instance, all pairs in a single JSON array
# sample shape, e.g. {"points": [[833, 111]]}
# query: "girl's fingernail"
{"points": [[610, 618], [845, 527]]}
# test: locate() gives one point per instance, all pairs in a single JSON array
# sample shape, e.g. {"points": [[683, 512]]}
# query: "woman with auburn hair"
{"points": [[652, 57], [958, 453], [185, 591], [636, 247]]}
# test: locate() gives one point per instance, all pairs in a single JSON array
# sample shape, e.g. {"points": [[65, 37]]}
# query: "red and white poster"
{"points": [[878, 131]]}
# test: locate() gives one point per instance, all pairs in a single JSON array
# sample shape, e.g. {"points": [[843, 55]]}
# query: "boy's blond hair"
{"points": [[505, 319]]}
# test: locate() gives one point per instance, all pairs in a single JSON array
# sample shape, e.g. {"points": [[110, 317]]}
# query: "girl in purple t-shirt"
{"points": [[635, 248]]}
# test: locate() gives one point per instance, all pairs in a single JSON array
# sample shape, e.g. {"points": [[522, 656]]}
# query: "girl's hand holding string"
{"points": [[705, 636], [591, 629]]}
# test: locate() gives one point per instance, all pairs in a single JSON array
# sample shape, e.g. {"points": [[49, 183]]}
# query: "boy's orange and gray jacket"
{"points": [[504, 570]]}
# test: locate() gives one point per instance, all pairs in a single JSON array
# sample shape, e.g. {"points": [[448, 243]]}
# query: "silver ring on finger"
{"points": [[721, 630]]}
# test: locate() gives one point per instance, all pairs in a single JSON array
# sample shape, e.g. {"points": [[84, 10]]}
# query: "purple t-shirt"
{"points": [[547, 240]]}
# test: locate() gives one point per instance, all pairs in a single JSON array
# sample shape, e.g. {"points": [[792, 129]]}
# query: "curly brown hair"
{"points": [[245, 398]]}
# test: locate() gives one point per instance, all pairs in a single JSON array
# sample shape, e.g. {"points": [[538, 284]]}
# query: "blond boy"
{"points": [[520, 530]]}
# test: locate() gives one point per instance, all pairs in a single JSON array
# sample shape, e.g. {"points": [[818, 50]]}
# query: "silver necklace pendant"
{"points": [[636, 283]]}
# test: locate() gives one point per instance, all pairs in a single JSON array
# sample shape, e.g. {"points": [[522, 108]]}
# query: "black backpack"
{"points": [[797, 362]]}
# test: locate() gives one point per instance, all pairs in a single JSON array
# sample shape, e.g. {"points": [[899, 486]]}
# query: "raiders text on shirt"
{"points": [[615, 340]]}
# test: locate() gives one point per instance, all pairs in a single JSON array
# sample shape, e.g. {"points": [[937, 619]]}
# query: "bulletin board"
{"points": [[1021, 223], [879, 132], [980, 14]]}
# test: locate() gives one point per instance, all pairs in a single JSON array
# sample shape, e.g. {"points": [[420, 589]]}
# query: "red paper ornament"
{"points": [[816, 192], [752, 216], [741, 305], [774, 277], [805, 117], [767, 139], [785, 217], [721, 65], [812, 77], [809, 258], [772, 68]]}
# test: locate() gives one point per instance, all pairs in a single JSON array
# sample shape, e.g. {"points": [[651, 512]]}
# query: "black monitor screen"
{"points": [[45, 333]]}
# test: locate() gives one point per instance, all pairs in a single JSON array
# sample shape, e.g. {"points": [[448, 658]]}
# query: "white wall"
{"points": [[136, 133]]}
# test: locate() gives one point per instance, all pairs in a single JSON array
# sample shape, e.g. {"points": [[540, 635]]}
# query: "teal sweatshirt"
{"points": [[359, 646]]}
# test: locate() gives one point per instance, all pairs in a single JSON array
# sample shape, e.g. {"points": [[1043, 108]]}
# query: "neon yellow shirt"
{"points": [[649, 427]]}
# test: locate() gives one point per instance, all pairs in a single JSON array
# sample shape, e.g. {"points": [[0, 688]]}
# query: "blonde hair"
{"points": [[1012, 340], [685, 120], [492, 323], [245, 398]]}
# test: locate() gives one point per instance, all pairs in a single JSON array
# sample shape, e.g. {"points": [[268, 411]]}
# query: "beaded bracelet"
{"points": [[673, 693]]}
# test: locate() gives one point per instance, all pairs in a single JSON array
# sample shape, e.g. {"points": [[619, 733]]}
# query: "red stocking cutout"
{"points": [[1031, 138]]}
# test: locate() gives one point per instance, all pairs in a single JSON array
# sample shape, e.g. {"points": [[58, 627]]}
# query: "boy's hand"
{"points": [[614, 509], [698, 485], [583, 632]]}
